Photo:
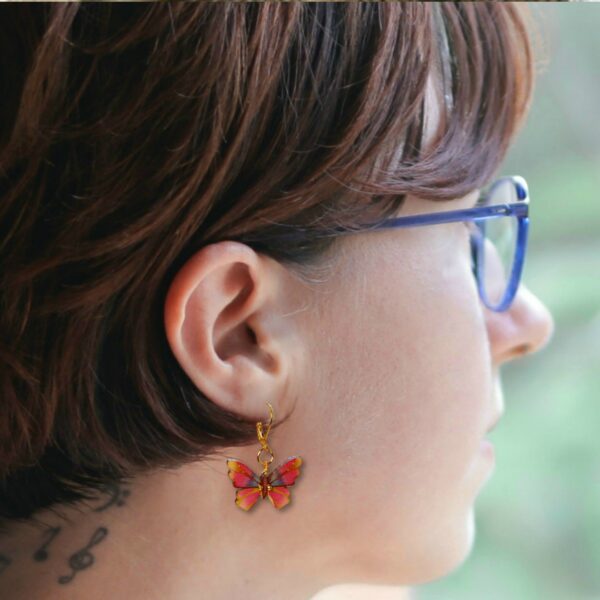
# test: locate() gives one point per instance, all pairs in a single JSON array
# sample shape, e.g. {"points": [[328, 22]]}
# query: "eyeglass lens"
{"points": [[494, 244]]}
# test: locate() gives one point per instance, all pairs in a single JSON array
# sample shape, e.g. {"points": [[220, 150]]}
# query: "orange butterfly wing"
{"points": [[243, 477], [279, 496], [284, 475]]}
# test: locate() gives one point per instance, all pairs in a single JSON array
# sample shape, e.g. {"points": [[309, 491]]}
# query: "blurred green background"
{"points": [[538, 517]]}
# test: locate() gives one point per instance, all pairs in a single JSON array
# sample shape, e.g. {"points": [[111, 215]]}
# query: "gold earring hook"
{"points": [[262, 438]]}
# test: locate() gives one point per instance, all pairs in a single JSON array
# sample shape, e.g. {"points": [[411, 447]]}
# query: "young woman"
{"points": [[269, 231]]}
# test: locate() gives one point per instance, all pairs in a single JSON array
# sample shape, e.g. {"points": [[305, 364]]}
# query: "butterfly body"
{"points": [[274, 485], [265, 486]]}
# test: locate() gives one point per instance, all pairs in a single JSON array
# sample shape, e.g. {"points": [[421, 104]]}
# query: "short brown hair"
{"points": [[132, 135]]}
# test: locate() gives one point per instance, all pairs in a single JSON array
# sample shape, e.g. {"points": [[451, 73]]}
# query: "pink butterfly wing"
{"points": [[281, 477], [279, 496], [243, 477], [287, 472], [246, 498]]}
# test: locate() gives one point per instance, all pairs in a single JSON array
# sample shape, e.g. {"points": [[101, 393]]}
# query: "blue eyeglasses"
{"points": [[499, 224]]}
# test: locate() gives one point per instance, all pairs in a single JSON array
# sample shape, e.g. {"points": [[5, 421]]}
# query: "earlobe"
{"points": [[219, 317]]}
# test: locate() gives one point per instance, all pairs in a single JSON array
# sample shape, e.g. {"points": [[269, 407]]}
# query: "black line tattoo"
{"points": [[82, 559], [41, 553], [4, 563], [117, 496]]}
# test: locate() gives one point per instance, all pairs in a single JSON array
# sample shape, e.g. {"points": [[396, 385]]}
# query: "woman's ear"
{"points": [[222, 323]]}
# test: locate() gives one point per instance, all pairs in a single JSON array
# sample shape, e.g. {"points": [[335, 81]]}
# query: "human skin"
{"points": [[392, 365]]}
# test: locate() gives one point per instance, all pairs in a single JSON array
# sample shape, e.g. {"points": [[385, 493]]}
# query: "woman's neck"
{"points": [[177, 535]]}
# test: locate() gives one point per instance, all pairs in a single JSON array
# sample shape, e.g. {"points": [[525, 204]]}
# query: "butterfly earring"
{"points": [[274, 484]]}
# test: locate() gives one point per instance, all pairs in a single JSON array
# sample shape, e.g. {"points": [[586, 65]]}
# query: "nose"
{"points": [[526, 327]]}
